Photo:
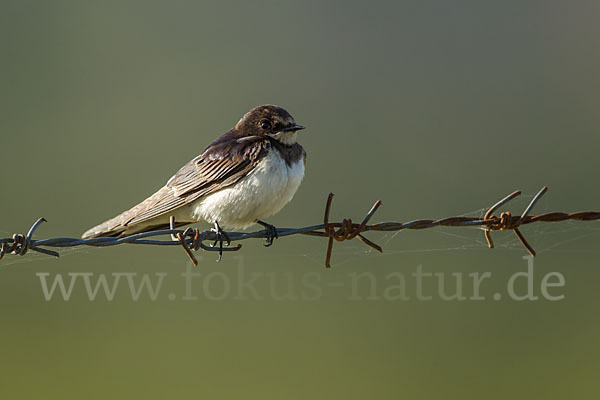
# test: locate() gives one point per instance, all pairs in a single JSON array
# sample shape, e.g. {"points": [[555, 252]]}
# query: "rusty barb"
{"points": [[346, 229], [507, 221], [192, 239]]}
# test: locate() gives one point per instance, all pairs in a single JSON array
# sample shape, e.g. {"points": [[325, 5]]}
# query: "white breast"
{"points": [[262, 193]]}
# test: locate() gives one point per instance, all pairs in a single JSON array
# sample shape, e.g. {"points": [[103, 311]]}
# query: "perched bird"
{"points": [[246, 175]]}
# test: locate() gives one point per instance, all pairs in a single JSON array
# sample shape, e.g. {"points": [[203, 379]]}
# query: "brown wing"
{"points": [[222, 164], [217, 167]]}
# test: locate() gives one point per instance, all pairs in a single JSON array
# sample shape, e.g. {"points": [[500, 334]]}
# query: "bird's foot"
{"points": [[271, 232], [222, 236]]}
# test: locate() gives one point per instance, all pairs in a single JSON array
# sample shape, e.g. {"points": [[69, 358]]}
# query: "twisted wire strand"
{"points": [[192, 239]]}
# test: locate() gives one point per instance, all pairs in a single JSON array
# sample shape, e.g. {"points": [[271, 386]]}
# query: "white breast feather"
{"points": [[262, 193]]}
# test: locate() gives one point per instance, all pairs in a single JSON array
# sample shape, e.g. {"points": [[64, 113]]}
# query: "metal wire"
{"points": [[192, 239]]}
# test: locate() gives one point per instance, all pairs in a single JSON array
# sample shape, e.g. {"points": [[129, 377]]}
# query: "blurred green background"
{"points": [[437, 108]]}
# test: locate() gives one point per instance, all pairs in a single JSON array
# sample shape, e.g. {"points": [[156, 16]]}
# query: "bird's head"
{"points": [[269, 120]]}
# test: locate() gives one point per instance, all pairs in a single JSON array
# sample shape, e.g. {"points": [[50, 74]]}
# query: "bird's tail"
{"points": [[111, 228], [153, 213]]}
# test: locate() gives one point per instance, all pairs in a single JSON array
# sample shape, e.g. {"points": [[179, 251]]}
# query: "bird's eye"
{"points": [[265, 124]]}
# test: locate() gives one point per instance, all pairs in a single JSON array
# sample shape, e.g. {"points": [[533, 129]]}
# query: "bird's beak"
{"points": [[292, 128]]}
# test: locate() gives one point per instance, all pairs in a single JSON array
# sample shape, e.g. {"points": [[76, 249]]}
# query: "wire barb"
{"points": [[191, 239], [507, 221], [196, 242], [20, 244], [347, 230]]}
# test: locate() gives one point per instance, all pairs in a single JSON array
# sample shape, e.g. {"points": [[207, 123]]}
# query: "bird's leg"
{"points": [[271, 232], [221, 237]]}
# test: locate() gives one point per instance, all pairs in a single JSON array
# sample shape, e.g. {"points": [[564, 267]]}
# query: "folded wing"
{"points": [[222, 164]]}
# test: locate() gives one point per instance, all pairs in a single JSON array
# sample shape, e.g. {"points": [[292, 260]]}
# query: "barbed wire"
{"points": [[193, 239]]}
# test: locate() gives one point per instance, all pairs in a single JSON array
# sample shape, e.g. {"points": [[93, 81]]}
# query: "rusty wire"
{"points": [[193, 239]]}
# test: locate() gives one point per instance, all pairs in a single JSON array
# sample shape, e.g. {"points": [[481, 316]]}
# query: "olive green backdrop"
{"points": [[437, 108]]}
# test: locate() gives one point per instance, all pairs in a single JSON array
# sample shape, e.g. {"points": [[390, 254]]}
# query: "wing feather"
{"points": [[217, 167], [223, 163]]}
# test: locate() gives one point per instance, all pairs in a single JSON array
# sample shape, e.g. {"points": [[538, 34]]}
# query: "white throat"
{"points": [[287, 138]]}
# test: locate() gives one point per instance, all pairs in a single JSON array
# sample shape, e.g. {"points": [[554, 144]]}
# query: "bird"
{"points": [[246, 175]]}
